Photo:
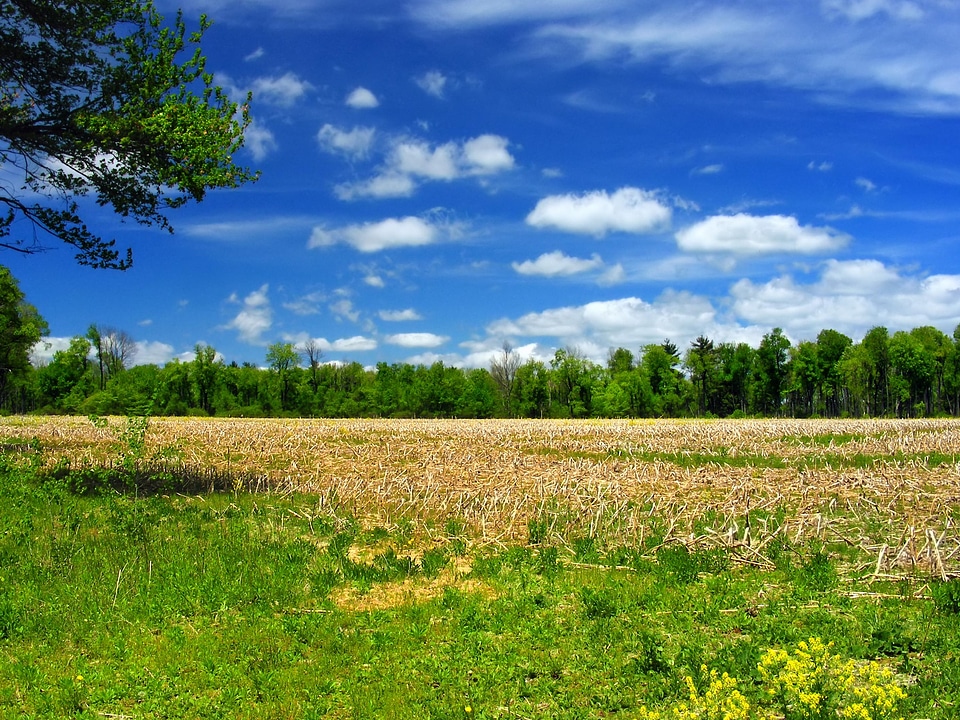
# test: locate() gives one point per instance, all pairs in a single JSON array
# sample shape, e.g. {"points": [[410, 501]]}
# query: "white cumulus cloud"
{"points": [[375, 236], [629, 322], [362, 99], [487, 154], [744, 234], [255, 316], [557, 264], [150, 352], [629, 210], [850, 296], [412, 160], [418, 158], [387, 185], [357, 343], [416, 340]]}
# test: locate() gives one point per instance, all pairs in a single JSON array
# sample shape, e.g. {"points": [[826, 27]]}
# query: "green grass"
{"points": [[723, 457], [262, 606]]}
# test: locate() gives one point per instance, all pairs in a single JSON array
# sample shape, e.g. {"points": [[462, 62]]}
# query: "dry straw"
{"points": [[879, 485]]}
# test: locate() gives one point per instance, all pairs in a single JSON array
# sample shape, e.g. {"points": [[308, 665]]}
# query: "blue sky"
{"points": [[441, 176]]}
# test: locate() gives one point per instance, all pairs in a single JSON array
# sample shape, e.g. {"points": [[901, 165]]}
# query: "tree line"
{"points": [[912, 373]]}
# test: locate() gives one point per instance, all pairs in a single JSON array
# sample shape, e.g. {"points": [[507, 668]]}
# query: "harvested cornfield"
{"points": [[889, 489]]}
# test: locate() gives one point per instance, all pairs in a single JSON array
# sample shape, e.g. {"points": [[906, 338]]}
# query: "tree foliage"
{"points": [[909, 374], [97, 100], [21, 327], [923, 378]]}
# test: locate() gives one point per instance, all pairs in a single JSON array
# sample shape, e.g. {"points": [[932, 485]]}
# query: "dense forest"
{"points": [[912, 373]]}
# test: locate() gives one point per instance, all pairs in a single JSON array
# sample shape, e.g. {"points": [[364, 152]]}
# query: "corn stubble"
{"points": [[887, 489]]}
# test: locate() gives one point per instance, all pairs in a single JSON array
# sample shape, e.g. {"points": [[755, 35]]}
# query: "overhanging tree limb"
{"points": [[100, 99]]}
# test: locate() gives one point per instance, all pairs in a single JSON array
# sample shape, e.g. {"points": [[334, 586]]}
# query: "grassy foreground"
{"points": [[285, 604]]}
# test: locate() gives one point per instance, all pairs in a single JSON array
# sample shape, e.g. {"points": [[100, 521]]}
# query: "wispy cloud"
{"points": [[399, 315], [837, 49], [284, 90], [355, 143], [432, 82], [246, 229], [714, 169], [306, 305]]}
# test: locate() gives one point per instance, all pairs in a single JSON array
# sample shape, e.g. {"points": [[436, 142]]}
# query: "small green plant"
{"points": [[548, 560], [599, 603], [651, 657], [678, 562], [433, 561], [817, 574], [537, 528], [946, 596], [685, 566], [585, 549]]}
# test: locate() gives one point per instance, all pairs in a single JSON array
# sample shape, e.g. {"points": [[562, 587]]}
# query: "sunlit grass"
{"points": [[300, 603]]}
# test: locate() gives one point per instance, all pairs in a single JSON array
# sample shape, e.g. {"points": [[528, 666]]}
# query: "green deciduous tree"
{"points": [[735, 368], [659, 364], [21, 327], [283, 358], [914, 369], [951, 376], [101, 98], [831, 345], [531, 389], [772, 368], [65, 382], [876, 345], [572, 377], [806, 377], [204, 372]]}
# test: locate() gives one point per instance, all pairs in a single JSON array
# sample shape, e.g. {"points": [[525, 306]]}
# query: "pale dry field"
{"points": [[880, 485]]}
